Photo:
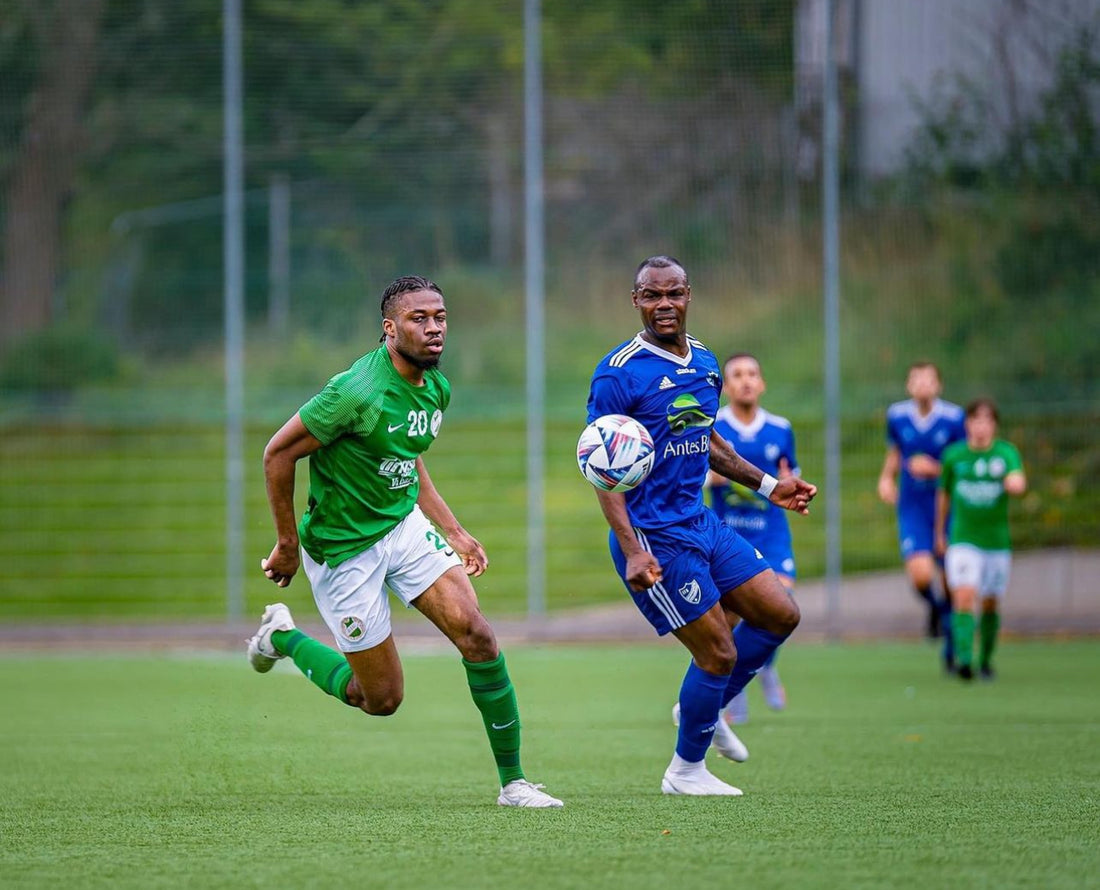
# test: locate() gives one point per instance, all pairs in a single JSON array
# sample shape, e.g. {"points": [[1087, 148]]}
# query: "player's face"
{"points": [[744, 383], [662, 297], [981, 427], [418, 328], [923, 384]]}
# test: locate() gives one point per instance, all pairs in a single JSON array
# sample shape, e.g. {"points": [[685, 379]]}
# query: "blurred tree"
{"points": [[1027, 254], [67, 34], [400, 120]]}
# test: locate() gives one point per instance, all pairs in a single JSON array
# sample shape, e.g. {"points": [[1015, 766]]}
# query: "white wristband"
{"points": [[767, 485]]}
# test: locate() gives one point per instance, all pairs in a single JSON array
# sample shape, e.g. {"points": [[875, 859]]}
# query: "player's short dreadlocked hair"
{"points": [[661, 261], [404, 285]]}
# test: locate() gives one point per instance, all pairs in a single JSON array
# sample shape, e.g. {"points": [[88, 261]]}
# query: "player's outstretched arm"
{"points": [[791, 493], [714, 479], [289, 445], [943, 507], [923, 466], [435, 508], [642, 568], [888, 476], [1016, 483]]}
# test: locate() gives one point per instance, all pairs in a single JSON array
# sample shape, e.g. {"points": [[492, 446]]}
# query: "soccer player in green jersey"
{"points": [[369, 526], [977, 478]]}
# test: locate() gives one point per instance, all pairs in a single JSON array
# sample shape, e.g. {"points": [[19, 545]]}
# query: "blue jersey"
{"points": [[912, 434], [675, 399], [767, 441]]}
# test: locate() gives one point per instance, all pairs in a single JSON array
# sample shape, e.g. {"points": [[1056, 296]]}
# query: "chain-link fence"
{"points": [[387, 138]]}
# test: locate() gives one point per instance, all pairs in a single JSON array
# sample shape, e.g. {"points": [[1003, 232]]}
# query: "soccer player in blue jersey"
{"points": [[766, 440], [917, 431], [688, 573]]}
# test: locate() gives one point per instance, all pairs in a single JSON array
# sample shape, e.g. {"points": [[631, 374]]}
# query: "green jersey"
{"points": [[373, 425], [975, 480]]}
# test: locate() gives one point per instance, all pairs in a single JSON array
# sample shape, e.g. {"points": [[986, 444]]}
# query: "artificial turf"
{"points": [[189, 770]]}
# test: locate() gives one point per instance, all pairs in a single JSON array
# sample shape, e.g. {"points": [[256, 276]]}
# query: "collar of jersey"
{"points": [[923, 424], [671, 356], [396, 375], [744, 429]]}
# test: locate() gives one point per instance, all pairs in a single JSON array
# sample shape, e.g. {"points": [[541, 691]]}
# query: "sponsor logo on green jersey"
{"points": [[400, 473]]}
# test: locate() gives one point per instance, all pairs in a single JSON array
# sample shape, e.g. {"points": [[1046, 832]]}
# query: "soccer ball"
{"points": [[615, 453]]}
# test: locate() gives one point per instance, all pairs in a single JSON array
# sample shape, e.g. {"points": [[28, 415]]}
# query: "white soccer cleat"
{"points": [[724, 741], [521, 793], [775, 696], [698, 783], [261, 654]]}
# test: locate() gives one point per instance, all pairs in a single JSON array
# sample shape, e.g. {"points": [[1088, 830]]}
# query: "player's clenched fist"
{"points": [[281, 565], [643, 570], [793, 493]]}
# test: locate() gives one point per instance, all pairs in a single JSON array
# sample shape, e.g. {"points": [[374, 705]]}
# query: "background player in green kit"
{"points": [[368, 526], [978, 476]]}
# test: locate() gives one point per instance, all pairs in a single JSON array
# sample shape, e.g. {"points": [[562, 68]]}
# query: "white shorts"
{"points": [[352, 597], [986, 571]]}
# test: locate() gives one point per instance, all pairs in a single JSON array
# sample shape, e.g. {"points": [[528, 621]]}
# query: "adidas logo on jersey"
{"points": [[666, 383]]}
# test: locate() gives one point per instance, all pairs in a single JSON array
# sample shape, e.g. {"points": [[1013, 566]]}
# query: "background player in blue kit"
{"points": [[917, 431], [766, 440], [689, 573]]}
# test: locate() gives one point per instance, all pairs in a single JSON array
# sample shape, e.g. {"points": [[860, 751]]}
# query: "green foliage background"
{"points": [[669, 128]]}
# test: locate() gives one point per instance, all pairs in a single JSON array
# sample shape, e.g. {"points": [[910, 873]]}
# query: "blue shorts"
{"points": [[772, 539], [779, 555], [916, 525], [700, 560]]}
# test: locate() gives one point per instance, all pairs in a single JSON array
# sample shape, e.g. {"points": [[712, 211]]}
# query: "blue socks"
{"points": [[700, 701], [754, 649], [945, 629], [702, 695]]}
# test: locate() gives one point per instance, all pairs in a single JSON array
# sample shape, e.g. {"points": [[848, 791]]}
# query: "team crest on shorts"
{"points": [[352, 628], [691, 592]]}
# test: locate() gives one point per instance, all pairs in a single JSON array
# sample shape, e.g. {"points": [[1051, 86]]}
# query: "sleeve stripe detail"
{"points": [[621, 357]]}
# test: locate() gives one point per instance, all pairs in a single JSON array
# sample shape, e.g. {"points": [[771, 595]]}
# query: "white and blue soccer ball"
{"points": [[615, 453]]}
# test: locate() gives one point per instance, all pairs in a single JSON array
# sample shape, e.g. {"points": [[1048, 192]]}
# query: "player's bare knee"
{"points": [[376, 704], [382, 706], [719, 658], [477, 642], [781, 618], [921, 573], [788, 617]]}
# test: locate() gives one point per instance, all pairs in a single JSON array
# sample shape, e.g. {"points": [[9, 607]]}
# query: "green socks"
{"points": [[490, 687], [988, 627], [962, 628], [325, 668], [495, 697]]}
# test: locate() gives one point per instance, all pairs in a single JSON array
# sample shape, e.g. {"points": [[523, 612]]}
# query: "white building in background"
{"points": [[896, 54]]}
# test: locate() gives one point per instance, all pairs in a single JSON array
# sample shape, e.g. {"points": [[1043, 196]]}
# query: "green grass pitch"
{"points": [[192, 771]]}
